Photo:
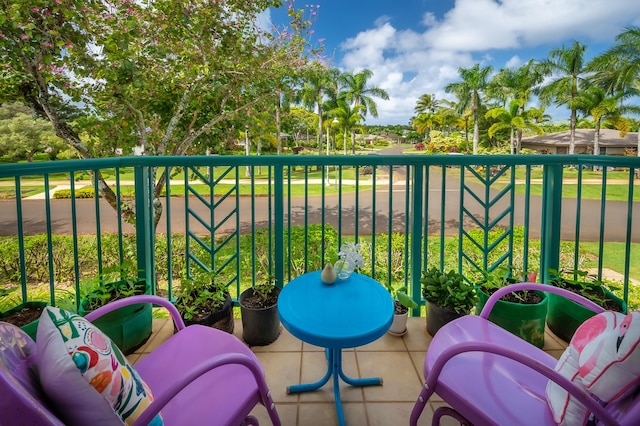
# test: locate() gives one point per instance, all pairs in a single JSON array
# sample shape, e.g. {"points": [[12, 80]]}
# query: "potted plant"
{"points": [[522, 313], [259, 312], [448, 297], [401, 305], [24, 315], [202, 299], [128, 327], [565, 316]]}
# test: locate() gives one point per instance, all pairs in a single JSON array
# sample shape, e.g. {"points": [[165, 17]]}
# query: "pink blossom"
{"points": [[47, 44], [35, 10], [25, 37], [58, 1]]}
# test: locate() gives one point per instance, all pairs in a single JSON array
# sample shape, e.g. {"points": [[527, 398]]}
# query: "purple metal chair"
{"points": [[488, 376], [200, 375]]}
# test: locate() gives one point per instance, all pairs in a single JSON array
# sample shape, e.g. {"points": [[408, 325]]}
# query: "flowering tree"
{"points": [[163, 74]]}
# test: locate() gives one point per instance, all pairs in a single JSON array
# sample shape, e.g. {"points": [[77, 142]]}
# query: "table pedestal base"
{"points": [[334, 361]]}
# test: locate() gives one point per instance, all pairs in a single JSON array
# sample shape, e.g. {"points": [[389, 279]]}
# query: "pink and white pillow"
{"points": [[603, 359], [85, 375]]}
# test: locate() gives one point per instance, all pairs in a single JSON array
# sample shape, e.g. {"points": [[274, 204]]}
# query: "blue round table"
{"points": [[349, 313]]}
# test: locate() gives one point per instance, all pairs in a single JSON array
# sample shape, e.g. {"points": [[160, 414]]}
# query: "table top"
{"points": [[346, 314]]}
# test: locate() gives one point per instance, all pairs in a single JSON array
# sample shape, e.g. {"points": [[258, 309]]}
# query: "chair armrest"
{"points": [[161, 400], [590, 403], [486, 310], [132, 300]]}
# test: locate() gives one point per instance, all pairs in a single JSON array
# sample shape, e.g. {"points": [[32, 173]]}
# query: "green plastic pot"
{"points": [[128, 327], [31, 328], [565, 316], [526, 321]]}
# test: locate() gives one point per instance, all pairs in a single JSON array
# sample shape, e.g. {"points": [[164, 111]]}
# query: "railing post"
{"points": [[144, 226], [551, 220], [416, 236], [278, 198]]}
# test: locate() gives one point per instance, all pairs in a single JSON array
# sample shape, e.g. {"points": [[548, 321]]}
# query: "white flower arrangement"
{"points": [[349, 259]]}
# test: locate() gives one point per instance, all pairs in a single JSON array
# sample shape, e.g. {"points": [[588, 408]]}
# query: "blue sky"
{"points": [[416, 46]]}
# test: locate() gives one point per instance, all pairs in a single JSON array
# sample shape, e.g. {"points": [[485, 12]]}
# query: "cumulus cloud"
{"points": [[410, 62]]}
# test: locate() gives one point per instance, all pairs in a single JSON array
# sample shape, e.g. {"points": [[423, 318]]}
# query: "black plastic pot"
{"points": [[221, 319], [259, 326], [437, 317]]}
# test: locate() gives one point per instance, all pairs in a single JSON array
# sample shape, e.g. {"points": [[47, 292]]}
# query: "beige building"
{"points": [[611, 143]]}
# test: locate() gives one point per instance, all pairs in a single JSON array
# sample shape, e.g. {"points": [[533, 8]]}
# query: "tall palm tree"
{"points": [[318, 83], [425, 108], [618, 68], [474, 82], [356, 91], [348, 118], [603, 108], [567, 72], [514, 120]]}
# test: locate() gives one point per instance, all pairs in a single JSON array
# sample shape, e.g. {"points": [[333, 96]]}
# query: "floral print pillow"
{"points": [[85, 374]]}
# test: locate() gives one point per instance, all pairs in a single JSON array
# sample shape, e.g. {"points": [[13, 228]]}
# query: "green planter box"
{"points": [[31, 328], [128, 327], [565, 316], [526, 321]]}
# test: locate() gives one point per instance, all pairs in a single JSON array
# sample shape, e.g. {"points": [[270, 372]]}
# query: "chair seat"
{"points": [[474, 383], [235, 394]]}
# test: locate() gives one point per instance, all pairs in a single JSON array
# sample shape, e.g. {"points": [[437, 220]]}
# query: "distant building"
{"points": [[558, 143]]}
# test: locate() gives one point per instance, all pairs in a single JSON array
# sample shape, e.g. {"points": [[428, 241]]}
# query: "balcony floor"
{"points": [[398, 360]]}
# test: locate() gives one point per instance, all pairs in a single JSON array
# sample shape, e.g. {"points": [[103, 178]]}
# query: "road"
{"points": [[615, 224]]}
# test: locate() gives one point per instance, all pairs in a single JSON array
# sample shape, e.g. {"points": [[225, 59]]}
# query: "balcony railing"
{"points": [[252, 218]]}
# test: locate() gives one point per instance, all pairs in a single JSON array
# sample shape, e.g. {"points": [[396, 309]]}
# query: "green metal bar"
{"points": [[425, 249], [144, 240], [407, 225], [289, 230], [306, 220], [512, 200], [357, 204], [527, 216], [272, 219], [96, 198], [23, 263], [340, 206], [119, 214], [627, 248], [416, 237], [461, 231], [323, 215], [576, 247], [603, 205], [47, 204], [390, 225], [169, 233], [279, 226], [253, 227], [443, 188], [551, 223], [74, 233], [373, 219]]}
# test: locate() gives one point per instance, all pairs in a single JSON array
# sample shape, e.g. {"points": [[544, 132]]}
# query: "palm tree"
{"points": [[514, 120], [474, 82], [566, 68], [318, 83], [348, 118], [425, 108], [356, 91], [604, 109], [618, 69]]}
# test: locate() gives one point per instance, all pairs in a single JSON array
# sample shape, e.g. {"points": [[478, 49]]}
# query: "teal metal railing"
{"points": [[469, 213]]}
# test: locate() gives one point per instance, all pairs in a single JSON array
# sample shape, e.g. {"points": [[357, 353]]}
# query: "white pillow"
{"points": [[603, 358], [85, 375]]}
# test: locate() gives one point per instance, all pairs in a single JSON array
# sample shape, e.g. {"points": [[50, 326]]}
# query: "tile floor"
{"points": [[398, 360]]}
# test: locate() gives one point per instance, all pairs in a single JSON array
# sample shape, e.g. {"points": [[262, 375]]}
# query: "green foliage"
{"points": [[448, 290], [201, 289], [587, 285], [114, 283], [400, 294], [86, 192]]}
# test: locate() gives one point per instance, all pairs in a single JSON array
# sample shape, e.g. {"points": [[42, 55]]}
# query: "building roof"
{"points": [[584, 137]]}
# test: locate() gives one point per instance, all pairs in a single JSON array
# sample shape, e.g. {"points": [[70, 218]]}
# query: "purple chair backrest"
{"points": [[21, 400]]}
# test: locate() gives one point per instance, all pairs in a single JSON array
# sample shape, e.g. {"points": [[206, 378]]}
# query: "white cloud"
{"points": [[408, 63]]}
